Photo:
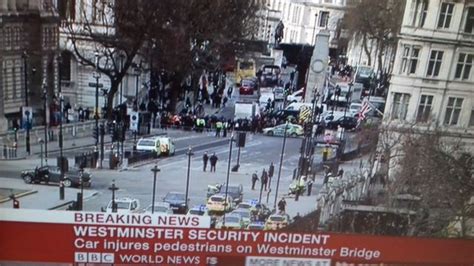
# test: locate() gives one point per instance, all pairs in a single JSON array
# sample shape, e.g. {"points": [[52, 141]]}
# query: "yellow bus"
{"points": [[245, 69]]}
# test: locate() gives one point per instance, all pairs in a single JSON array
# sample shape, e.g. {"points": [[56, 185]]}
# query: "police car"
{"points": [[219, 203], [199, 210], [258, 225], [277, 221]]}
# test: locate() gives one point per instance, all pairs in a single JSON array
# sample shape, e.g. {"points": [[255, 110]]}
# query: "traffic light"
{"points": [[102, 130], [115, 133], [95, 133]]}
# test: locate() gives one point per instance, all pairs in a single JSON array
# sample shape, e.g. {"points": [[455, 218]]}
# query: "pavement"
{"points": [[44, 197]]}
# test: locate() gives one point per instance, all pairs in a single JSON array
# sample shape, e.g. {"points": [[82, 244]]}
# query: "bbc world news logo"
{"points": [[94, 257]]}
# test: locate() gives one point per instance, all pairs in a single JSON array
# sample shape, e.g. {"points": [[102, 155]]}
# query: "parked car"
{"points": [[258, 225], [277, 221], [124, 205], [247, 87], [236, 191], [160, 208], [284, 114], [293, 130], [231, 222], [346, 122], [248, 205], [244, 214], [219, 203], [51, 174], [177, 201], [202, 210]]}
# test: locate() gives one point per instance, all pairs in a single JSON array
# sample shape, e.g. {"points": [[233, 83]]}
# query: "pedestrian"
{"points": [[264, 179], [224, 129], [340, 174], [229, 91], [310, 186], [218, 128], [282, 205], [297, 217], [271, 170], [213, 161], [254, 179], [205, 158]]}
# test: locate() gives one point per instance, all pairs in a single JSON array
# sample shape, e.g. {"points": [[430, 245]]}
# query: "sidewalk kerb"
{"points": [[19, 195]]}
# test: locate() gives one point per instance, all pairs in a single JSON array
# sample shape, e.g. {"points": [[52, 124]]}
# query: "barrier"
{"points": [[9, 152]]}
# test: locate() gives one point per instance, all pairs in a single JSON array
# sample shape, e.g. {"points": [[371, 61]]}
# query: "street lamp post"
{"points": [[41, 142], [113, 188], [189, 154], [138, 71], [61, 103], [80, 206], [25, 72], [155, 171], [45, 106], [279, 167], [228, 176], [96, 75]]}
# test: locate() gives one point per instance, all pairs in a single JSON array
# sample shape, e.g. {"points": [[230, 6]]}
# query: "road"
{"points": [[258, 153]]}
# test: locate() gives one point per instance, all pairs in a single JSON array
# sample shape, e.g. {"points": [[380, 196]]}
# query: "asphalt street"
{"points": [[258, 153]]}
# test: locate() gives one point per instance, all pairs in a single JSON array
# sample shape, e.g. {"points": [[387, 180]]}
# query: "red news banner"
{"points": [[91, 237]]}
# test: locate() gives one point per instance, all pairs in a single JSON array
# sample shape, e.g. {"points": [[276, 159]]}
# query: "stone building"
{"points": [[432, 81], [28, 51]]}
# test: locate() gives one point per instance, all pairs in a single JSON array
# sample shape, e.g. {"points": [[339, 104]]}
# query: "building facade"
{"points": [[303, 19], [432, 82], [77, 79], [28, 52]]}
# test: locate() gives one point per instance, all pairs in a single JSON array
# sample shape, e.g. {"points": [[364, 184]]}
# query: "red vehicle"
{"points": [[247, 87]]}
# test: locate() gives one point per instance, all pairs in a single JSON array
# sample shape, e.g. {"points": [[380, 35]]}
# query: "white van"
{"points": [[160, 145], [296, 96], [149, 144], [167, 146]]}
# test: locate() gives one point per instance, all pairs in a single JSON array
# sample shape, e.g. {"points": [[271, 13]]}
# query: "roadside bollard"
{"points": [[16, 203]]}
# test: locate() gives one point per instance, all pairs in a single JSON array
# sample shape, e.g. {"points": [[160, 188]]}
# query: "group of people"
{"points": [[213, 161], [264, 178]]}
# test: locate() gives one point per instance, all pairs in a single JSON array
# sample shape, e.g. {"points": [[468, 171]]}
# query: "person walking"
{"points": [[271, 170], [264, 179], [282, 205], [254, 179], [310, 186], [205, 158], [213, 161]]}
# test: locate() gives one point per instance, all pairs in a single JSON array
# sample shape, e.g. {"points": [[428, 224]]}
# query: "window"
{"points": [[471, 119], [400, 105], [445, 15], [424, 109], [463, 68], [418, 12], [323, 19], [453, 110], [469, 20], [410, 59], [434, 65]]}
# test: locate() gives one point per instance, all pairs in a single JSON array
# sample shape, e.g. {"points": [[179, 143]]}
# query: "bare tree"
{"points": [[436, 169], [188, 34], [375, 20]]}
